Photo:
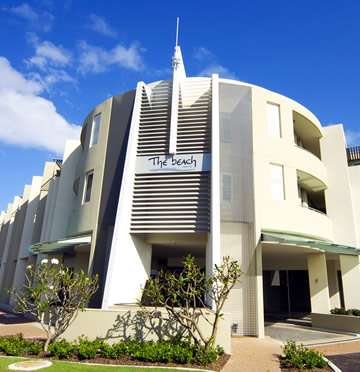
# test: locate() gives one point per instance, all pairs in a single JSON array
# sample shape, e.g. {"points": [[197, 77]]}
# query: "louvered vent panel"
{"points": [[171, 202], [155, 120], [194, 116]]}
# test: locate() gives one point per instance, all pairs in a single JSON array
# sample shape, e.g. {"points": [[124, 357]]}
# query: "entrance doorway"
{"points": [[171, 257], [286, 293]]}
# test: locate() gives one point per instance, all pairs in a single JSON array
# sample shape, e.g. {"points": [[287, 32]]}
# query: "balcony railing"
{"points": [[353, 153]]}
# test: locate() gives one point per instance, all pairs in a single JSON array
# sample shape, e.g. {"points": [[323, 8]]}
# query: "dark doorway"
{"points": [[286, 292]]}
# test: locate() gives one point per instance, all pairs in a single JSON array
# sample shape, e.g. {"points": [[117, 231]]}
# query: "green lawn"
{"points": [[65, 367]]}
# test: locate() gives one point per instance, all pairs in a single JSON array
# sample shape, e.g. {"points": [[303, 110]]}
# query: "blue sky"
{"points": [[59, 59]]}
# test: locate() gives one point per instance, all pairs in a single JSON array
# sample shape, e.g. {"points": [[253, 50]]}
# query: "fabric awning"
{"points": [[288, 239], [60, 246]]}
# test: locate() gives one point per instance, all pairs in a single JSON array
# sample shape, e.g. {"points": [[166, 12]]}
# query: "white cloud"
{"points": [[47, 53], [216, 68], [95, 59], [51, 60], [203, 53], [14, 80], [352, 138], [98, 24], [43, 20], [24, 11], [26, 118], [212, 66]]}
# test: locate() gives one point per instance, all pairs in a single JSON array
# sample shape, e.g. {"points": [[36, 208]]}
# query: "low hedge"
{"points": [[175, 350], [343, 311]]}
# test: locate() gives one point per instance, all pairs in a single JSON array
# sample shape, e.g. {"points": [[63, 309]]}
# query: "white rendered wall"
{"points": [[49, 210], [284, 215], [318, 282], [30, 217], [130, 258], [213, 254], [354, 174], [65, 196], [339, 202], [12, 208]]}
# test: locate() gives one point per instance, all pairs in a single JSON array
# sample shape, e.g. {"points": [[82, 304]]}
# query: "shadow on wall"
{"points": [[128, 326], [115, 325]]}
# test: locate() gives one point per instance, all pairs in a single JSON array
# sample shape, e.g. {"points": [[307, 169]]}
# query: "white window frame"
{"points": [[86, 185], [277, 184], [230, 185], [95, 129], [273, 119]]}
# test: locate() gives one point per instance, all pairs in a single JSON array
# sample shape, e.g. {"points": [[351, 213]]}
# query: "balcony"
{"points": [[311, 192], [353, 155], [306, 134]]}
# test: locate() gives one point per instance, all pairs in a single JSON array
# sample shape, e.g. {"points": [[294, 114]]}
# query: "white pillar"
{"points": [[333, 284], [350, 274], [318, 282], [259, 290]]}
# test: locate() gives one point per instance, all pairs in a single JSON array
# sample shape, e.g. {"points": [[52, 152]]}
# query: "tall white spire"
{"points": [[178, 75], [177, 61]]}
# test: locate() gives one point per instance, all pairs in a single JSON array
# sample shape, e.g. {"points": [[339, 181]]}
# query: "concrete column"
{"points": [[260, 291], [318, 281], [333, 284], [350, 274]]}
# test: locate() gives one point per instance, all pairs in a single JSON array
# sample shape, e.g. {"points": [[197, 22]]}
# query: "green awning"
{"points": [[327, 246], [60, 246]]}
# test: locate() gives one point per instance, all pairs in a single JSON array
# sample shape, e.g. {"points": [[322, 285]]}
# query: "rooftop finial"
{"points": [[177, 31]]}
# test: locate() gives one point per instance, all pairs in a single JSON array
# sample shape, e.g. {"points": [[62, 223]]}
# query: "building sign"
{"points": [[173, 163]]}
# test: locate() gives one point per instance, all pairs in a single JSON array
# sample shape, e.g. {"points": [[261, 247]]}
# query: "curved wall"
{"points": [[288, 214]]}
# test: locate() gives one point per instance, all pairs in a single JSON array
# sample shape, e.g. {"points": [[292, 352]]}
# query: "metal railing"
{"points": [[353, 153]]}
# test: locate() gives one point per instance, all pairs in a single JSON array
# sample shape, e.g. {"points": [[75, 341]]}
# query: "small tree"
{"points": [[54, 295], [184, 297]]}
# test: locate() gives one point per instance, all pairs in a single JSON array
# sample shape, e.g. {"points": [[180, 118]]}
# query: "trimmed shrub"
{"points": [[343, 311], [33, 347], [62, 349], [339, 311], [302, 357]]}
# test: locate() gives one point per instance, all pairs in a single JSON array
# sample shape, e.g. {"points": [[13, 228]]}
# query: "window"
{"points": [[277, 182], [226, 129], [95, 130], [273, 119], [88, 186], [226, 188]]}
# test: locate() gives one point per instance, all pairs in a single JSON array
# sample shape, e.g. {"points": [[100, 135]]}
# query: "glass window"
{"points": [[95, 130], [88, 186], [273, 118], [277, 182], [226, 132], [226, 188]]}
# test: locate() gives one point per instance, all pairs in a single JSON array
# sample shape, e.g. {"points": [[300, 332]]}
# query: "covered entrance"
{"points": [[303, 275], [286, 293]]}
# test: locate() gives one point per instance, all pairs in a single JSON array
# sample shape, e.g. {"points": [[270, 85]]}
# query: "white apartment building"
{"points": [[208, 166]]}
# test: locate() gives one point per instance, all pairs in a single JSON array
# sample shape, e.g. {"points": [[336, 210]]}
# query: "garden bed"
{"points": [[162, 354]]}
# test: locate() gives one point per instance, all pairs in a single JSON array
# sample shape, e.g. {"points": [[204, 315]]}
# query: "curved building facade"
{"points": [[207, 166]]}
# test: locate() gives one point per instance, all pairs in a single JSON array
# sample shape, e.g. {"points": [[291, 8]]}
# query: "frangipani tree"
{"points": [[184, 297], [54, 294]]}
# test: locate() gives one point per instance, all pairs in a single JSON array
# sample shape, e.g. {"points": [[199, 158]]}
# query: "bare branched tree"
{"points": [[54, 295]]}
